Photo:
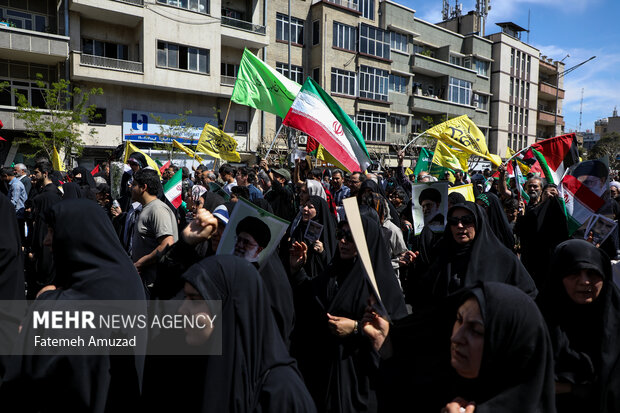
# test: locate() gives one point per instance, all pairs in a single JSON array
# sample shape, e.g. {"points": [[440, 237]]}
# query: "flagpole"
{"points": [[226, 117], [274, 140], [414, 139]]}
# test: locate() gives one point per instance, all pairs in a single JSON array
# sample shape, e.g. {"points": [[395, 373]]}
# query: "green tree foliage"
{"points": [[608, 145], [59, 123], [173, 129]]}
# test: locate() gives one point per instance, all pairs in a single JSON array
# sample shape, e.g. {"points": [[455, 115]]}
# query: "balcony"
{"points": [[436, 106], [227, 80], [108, 63], [547, 91], [106, 70], [344, 3], [32, 46], [429, 66], [548, 118], [119, 12], [240, 34]]}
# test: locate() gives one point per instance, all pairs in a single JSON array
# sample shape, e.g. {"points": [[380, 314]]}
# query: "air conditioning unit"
{"points": [[303, 139]]}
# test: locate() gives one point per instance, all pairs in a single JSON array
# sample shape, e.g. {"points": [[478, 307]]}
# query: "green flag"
{"points": [[424, 162], [262, 87]]}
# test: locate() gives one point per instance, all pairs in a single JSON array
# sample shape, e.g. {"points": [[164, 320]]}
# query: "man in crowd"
{"points": [[355, 182], [227, 174], [246, 178], [339, 190], [17, 193], [21, 172]]}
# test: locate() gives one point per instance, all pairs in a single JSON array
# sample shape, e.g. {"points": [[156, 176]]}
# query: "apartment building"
{"points": [[154, 60], [608, 125], [550, 120]]}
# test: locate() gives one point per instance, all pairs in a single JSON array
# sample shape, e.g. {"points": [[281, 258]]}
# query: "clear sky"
{"points": [[581, 28]]}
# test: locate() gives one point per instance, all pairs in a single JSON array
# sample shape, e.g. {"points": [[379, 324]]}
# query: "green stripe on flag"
{"points": [[543, 163]]}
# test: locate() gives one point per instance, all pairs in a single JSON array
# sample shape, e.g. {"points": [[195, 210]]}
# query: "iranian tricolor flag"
{"points": [[173, 189], [581, 202], [315, 113], [555, 155]]}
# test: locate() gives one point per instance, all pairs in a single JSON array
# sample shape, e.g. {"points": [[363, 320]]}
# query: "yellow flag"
{"points": [[524, 168], [323, 155], [131, 148], [446, 159], [56, 162], [466, 190], [462, 133], [218, 144], [187, 150], [408, 172]]}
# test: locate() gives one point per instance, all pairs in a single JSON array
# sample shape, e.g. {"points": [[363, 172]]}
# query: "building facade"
{"points": [[550, 120]]}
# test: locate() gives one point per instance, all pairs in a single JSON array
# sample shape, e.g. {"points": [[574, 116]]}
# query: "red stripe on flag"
{"points": [[95, 170], [311, 144], [299, 121], [582, 192], [555, 149], [163, 168]]}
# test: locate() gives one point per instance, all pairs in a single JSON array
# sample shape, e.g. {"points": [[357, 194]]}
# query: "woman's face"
{"points": [[346, 245], [614, 191], [467, 340], [196, 307], [584, 286], [308, 212], [462, 225]]}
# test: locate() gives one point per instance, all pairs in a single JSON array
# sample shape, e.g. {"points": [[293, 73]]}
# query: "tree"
{"points": [[57, 124], [174, 128], [608, 145]]}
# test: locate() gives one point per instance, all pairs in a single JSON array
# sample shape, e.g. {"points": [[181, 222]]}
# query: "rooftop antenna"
{"points": [[580, 110], [482, 8], [445, 11]]}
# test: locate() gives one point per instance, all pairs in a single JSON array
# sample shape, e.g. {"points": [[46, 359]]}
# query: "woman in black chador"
{"points": [[91, 265], [581, 305], [336, 360]]}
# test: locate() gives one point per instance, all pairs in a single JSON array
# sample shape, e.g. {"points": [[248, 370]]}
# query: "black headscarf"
{"points": [[586, 337], [49, 196], [483, 259], [372, 186], [498, 220], [91, 265], [255, 372], [340, 371], [71, 190], [86, 179]]}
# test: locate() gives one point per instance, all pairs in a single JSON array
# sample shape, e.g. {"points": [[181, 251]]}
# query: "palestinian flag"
{"points": [[555, 155], [174, 188], [163, 167], [315, 113], [581, 203], [519, 180]]}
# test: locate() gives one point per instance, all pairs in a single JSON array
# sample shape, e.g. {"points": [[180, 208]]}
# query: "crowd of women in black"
{"points": [[458, 323]]}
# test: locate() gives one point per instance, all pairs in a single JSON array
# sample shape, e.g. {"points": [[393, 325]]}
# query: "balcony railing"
{"points": [[228, 80], [243, 25], [109, 63], [134, 2], [345, 3]]}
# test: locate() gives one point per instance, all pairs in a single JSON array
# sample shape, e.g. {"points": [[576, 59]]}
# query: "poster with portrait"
{"points": [[594, 174], [251, 233], [601, 228], [429, 206]]}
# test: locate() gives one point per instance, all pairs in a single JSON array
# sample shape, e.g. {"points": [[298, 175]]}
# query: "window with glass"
{"points": [[460, 91], [527, 117], [201, 6], [229, 69], [482, 67], [316, 74], [24, 20], [398, 124], [399, 41], [175, 56], [374, 41], [373, 83], [373, 125], [297, 72], [297, 29], [529, 64], [509, 116], [456, 60], [481, 101], [522, 89], [105, 49], [512, 58], [316, 32], [343, 82], [416, 125], [345, 37], [398, 83], [527, 92], [367, 8]]}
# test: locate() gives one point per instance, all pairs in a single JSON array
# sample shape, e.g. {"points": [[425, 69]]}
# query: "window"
{"points": [[512, 58], [316, 32], [201, 6], [373, 83], [345, 36], [297, 72], [416, 125], [399, 42], [418, 48], [31, 91], [456, 60], [529, 64], [481, 101], [523, 64], [520, 117], [105, 49], [99, 117], [398, 84], [229, 69], [482, 67], [522, 90], [374, 41], [509, 116], [527, 116], [367, 8], [316, 74], [460, 91], [512, 87], [24, 20], [176, 56], [527, 92], [398, 124], [343, 82], [372, 125], [297, 29]]}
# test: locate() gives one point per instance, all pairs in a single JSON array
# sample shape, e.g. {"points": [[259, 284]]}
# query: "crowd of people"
{"points": [[499, 311]]}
